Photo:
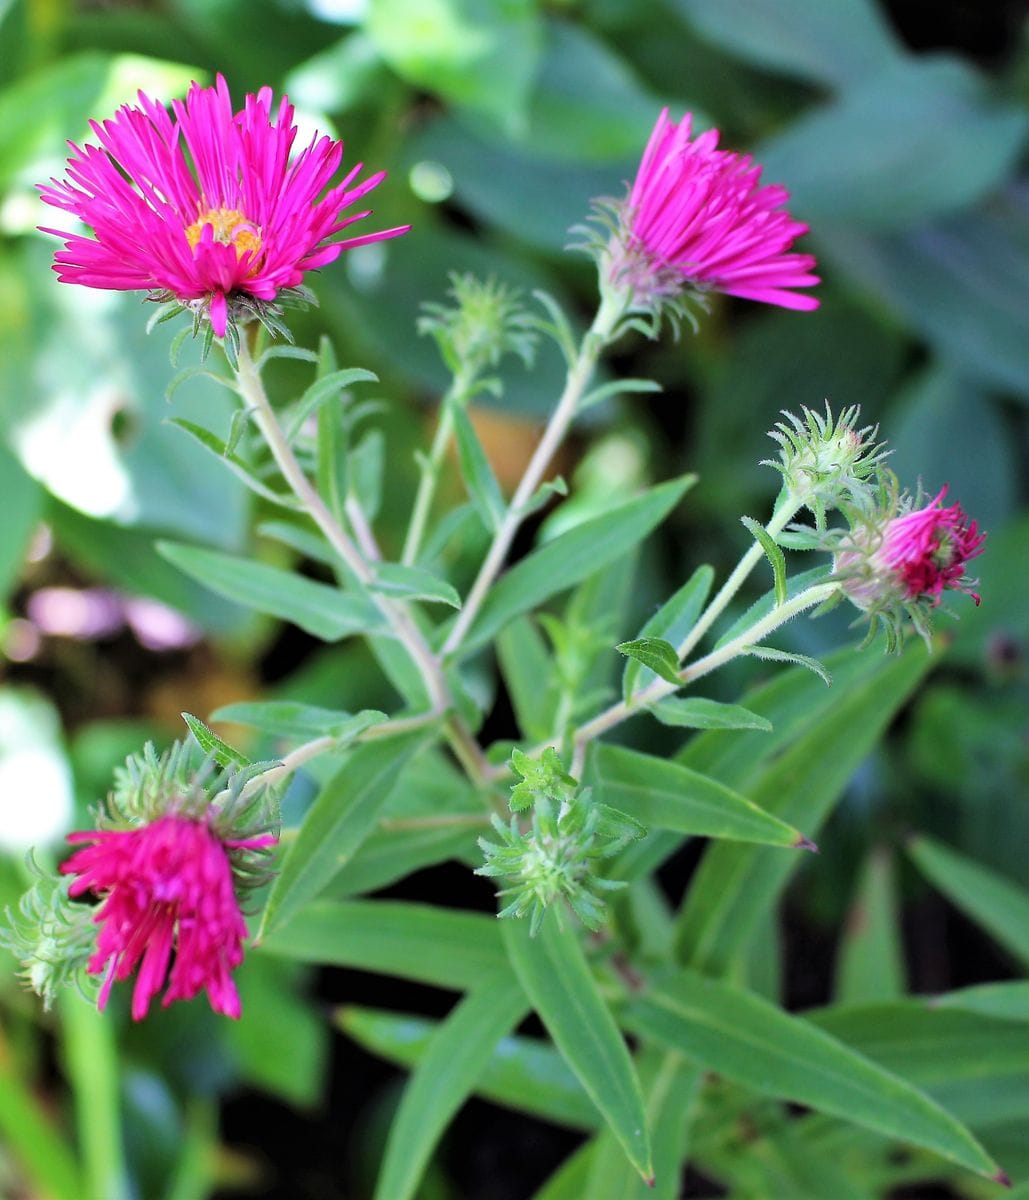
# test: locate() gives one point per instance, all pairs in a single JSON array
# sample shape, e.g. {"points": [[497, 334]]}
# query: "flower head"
{"points": [[903, 558], [697, 218], [205, 205]]}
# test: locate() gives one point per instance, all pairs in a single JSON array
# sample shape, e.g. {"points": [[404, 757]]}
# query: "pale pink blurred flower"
{"points": [[698, 218], [169, 909], [205, 204]]}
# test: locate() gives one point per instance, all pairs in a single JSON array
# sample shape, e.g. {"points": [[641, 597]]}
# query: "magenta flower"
{"points": [[205, 205], [697, 217], [167, 890], [925, 552]]}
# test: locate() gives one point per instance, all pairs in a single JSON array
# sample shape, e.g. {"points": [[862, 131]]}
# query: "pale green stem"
{"points": [[362, 529], [403, 626], [429, 481], [580, 372]]}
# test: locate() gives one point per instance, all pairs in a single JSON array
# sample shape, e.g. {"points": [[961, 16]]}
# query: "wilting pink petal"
{"points": [[169, 909], [202, 202], [926, 551], [698, 216]]}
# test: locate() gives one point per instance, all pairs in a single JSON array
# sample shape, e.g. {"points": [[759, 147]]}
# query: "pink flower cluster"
{"points": [[926, 551], [698, 216], [167, 890], [205, 202]]}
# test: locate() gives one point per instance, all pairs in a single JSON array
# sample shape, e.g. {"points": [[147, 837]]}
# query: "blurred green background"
{"points": [[900, 130]]}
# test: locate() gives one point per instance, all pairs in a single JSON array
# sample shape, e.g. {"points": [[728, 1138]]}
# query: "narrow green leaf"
{"points": [[695, 712], [736, 884], [655, 653], [571, 1179], [555, 976], [307, 542], [198, 1151], [774, 555], [663, 793], [288, 719], [455, 1057], [569, 558], [326, 387], [210, 743], [449, 949], [367, 459], [559, 328], [999, 905], [767, 603], [672, 621], [755, 1043], [1008, 1001], [342, 816], [619, 387], [413, 583], [527, 666], [670, 1086], [871, 959], [770, 654], [483, 489], [286, 352], [236, 465], [389, 855], [321, 610]]}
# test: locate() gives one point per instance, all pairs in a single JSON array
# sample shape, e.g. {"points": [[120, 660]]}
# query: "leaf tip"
{"points": [[803, 843], [1001, 1177], [650, 1181]]}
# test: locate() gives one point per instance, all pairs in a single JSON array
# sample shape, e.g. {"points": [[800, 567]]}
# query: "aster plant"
{"points": [[219, 215]]}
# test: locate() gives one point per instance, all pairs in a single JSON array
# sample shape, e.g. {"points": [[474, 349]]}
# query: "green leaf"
{"points": [[774, 555], [662, 793], [672, 621], [23, 503], [301, 722], [1000, 906], [572, 556], [456, 1056], [321, 610], [340, 819], [752, 1042], [367, 460], [210, 441], [871, 958], [325, 387], [474, 53], [392, 854], [770, 654], [449, 949], [619, 387], [1008, 1001], [696, 712], [655, 653], [528, 670], [555, 976], [767, 604], [477, 473], [413, 583], [208, 741], [571, 1179], [736, 884]]}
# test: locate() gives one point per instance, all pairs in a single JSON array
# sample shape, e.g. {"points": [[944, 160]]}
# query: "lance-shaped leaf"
{"points": [[773, 553], [455, 1057], [697, 712], [342, 816], [572, 556], [672, 621], [483, 489], [239, 468], [999, 905], [753, 1042], [871, 959], [656, 654], [555, 976], [290, 719], [412, 941], [663, 793], [317, 608], [413, 583]]}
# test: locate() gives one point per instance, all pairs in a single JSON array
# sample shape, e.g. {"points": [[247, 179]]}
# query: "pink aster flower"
{"points": [[926, 551], [205, 205], [697, 217], [169, 909]]}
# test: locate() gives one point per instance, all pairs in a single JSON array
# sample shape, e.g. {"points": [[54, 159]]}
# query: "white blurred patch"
{"points": [[35, 780]]}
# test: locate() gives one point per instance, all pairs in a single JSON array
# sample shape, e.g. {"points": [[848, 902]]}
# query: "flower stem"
{"points": [[254, 394], [580, 372]]}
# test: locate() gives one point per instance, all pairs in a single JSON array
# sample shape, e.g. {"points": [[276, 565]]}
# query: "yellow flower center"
{"points": [[230, 227]]}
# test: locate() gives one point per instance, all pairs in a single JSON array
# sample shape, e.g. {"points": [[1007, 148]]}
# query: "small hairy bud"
{"points": [[485, 322]]}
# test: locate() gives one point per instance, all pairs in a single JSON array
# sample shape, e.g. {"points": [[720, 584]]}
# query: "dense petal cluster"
{"points": [[697, 217], [169, 909], [203, 203], [927, 550]]}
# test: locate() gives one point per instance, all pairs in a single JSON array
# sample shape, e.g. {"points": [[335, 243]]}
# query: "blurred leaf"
{"points": [[343, 815], [23, 502], [1000, 906], [695, 712], [337, 78], [1007, 1001], [528, 669], [836, 44], [658, 792], [413, 583], [571, 1179], [672, 621], [737, 883], [455, 1058], [556, 977], [525, 1074], [753, 1042], [481, 54], [1001, 626], [919, 139], [321, 610], [870, 965], [572, 556], [288, 719], [477, 472], [447, 948]]}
